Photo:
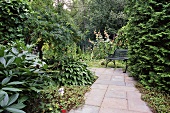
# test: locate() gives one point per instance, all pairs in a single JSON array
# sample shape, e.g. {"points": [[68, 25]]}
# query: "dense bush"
{"points": [[12, 17], [22, 74], [148, 35], [73, 72]]}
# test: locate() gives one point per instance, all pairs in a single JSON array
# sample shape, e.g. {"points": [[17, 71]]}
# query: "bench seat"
{"points": [[119, 54]]}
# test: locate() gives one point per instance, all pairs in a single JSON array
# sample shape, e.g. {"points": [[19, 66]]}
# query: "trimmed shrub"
{"points": [[148, 35]]}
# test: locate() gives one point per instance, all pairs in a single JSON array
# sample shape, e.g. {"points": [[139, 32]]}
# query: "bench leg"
{"points": [[125, 67], [107, 61]]}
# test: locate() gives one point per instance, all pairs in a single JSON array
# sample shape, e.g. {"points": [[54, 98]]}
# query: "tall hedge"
{"points": [[148, 36], [13, 14]]}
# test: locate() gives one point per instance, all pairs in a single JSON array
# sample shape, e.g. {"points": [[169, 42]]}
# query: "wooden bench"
{"points": [[119, 54]]}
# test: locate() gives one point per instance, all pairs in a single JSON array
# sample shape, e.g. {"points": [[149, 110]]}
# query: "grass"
{"points": [[159, 102], [101, 64]]}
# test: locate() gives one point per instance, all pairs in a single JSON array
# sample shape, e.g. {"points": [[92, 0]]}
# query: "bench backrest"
{"points": [[120, 53]]}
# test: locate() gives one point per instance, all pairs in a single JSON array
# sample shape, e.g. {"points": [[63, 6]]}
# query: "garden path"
{"points": [[113, 92]]}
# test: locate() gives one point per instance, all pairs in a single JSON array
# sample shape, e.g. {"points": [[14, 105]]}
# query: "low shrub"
{"points": [[73, 72], [22, 74], [158, 101], [51, 100]]}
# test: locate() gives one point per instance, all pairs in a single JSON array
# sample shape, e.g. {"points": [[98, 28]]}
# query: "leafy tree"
{"points": [[50, 24], [106, 15], [13, 14]]}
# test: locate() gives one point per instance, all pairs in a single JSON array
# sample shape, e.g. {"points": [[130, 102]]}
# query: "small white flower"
{"points": [[61, 91]]}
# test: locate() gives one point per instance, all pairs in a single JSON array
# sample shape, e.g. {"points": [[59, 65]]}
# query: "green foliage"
{"points": [[106, 14], [73, 72], [121, 41], [51, 101], [9, 103], [50, 25], [12, 17], [158, 101], [20, 71], [148, 36], [102, 48]]}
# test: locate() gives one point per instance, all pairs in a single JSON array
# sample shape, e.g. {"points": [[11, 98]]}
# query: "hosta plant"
{"points": [[73, 72], [9, 96]]}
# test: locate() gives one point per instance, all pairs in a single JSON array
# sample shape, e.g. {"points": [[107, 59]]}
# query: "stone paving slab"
{"points": [[105, 77], [114, 110], [113, 92], [86, 109], [135, 103], [99, 86], [94, 101], [114, 103], [97, 92], [116, 94], [121, 88], [109, 82]]}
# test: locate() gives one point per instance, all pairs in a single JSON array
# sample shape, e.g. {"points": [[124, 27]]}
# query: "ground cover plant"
{"points": [[52, 101], [158, 101]]}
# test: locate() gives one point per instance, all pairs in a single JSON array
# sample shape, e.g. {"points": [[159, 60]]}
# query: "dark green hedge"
{"points": [[13, 13], [148, 36]]}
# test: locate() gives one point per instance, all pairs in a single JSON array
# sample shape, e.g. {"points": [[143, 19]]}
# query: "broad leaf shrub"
{"points": [[12, 17], [9, 96], [22, 74], [148, 35], [73, 72]]}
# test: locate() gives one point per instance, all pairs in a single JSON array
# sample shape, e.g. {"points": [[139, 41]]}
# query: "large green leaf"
{"points": [[22, 99], [5, 80], [3, 61], [11, 89], [2, 51], [2, 92], [4, 102], [13, 110], [2, 97], [18, 106], [10, 61], [13, 98], [15, 51], [15, 83]]}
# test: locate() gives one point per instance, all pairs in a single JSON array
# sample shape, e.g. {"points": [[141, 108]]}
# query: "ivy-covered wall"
{"points": [[148, 37]]}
